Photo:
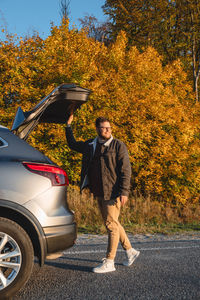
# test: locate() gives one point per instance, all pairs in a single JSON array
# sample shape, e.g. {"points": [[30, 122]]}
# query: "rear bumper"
{"points": [[60, 237]]}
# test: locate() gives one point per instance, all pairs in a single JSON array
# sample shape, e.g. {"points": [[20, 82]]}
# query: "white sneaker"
{"points": [[107, 265], [131, 255]]}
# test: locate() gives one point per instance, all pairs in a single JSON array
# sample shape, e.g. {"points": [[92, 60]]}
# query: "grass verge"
{"points": [[139, 216]]}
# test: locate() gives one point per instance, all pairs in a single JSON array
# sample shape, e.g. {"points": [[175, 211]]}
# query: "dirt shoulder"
{"points": [[138, 238]]}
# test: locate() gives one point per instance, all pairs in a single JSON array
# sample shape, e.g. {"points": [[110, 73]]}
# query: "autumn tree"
{"points": [[146, 23], [95, 29], [190, 16], [64, 9], [149, 104], [172, 27]]}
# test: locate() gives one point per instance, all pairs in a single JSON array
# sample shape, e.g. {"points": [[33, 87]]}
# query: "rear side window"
{"points": [[3, 143]]}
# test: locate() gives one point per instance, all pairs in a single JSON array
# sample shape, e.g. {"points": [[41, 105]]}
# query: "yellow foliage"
{"points": [[151, 106]]}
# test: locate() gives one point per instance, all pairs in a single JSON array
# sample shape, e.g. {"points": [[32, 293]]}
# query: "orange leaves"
{"points": [[150, 105]]}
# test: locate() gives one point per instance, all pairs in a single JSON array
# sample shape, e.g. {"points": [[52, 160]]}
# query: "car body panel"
{"points": [[23, 189], [51, 208], [60, 237]]}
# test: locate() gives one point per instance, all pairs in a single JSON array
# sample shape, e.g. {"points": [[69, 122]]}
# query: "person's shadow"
{"points": [[67, 266]]}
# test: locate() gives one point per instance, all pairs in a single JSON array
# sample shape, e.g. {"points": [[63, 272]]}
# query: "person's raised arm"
{"points": [[70, 119], [72, 143]]}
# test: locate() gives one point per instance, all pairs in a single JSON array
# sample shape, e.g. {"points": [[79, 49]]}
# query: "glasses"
{"points": [[105, 128]]}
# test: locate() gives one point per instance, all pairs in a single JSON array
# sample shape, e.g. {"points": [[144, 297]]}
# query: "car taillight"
{"points": [[55, 174]]}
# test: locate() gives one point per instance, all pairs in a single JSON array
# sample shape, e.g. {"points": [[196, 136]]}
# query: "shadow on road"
{"points": [[68, 266], [80, 259]]}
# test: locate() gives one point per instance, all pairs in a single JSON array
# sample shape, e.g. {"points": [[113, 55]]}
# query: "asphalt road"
{"points": [[165, 269]]}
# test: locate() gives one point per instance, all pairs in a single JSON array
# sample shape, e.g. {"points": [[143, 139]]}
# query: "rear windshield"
{"points": [[3, 143]]}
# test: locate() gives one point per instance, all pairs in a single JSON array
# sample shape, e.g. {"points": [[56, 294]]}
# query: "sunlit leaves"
{"points": [[151, 106]]}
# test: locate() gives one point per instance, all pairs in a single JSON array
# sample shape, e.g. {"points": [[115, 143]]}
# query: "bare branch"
{"points": [[64, 9]]}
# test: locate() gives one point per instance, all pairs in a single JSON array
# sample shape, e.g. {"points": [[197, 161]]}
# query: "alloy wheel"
{"points": [[10, 260]]}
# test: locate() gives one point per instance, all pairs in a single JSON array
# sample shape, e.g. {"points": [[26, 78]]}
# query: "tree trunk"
{"points": [[196, 88], [196, 69]]}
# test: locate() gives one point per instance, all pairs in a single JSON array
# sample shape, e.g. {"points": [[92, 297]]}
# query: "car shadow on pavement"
{"points": [[80, 259], [66, 266]]}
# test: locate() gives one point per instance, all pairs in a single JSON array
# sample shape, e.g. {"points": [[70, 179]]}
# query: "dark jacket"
{"points": [[115, 164]]}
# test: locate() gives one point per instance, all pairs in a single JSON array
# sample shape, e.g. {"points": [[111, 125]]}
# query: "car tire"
{"points": [[16, 258]]}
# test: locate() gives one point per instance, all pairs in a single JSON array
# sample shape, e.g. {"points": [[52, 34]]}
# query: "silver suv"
{"points": [[34, 216]]}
